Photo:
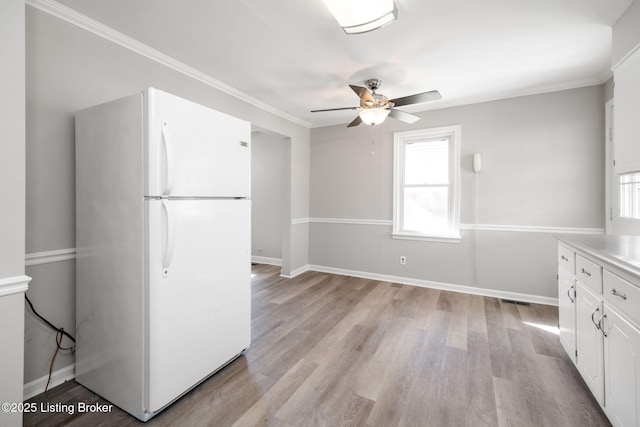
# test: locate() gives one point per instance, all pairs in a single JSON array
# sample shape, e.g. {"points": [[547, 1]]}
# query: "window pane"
{"points": [[630, 195], [427, 162], [425, 209]]}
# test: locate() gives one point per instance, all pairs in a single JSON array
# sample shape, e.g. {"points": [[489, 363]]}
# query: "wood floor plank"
{"points": [[475, 305], [511, 406], [395, 381], [503, 364], [452, 301], [480, 408], [457, 331], [371, 305], [315, 400], [355, 413], [300, 287], [266, 407], [331, 350]]}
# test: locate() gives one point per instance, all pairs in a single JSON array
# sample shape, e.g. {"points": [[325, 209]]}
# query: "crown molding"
{"points": [[624, 58], [73, 17]]}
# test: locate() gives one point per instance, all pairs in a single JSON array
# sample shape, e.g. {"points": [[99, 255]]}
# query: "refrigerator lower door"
{"points": [[199, 291]]}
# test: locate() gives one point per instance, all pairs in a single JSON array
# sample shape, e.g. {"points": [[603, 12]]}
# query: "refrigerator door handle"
{"points": [[171, 233], [168, 150]]}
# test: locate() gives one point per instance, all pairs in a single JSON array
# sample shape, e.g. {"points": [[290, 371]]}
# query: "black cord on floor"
{"points": [[60, 332]]}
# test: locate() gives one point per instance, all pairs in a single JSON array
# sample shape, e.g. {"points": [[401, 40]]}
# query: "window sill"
{"points": [[628, 219], [448, 238]]}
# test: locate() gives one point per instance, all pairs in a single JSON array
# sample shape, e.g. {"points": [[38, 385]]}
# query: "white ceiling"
{"points": [[292, 55]]}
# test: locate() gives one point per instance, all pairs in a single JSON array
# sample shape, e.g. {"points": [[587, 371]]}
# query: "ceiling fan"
{"points": [[375, 107]]}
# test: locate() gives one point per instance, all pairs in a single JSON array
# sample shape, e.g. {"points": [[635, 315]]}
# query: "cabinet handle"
{"points": [[600, 325], [569, 293], [618, 294], [597, 325], [583, 271], [564, 258]]}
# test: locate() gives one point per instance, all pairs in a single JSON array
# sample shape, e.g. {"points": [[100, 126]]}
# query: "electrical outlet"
{"points": [[403, 260]]}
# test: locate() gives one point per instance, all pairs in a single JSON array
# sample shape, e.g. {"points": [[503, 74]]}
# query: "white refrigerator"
{"points": [[163, 267]]}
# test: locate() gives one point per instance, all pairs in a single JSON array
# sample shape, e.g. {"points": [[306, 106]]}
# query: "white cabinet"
{"points": [[627, 125], [589, 340], [589, 274], [566, 300], [606, 328], [621, 369], [567, 313]]}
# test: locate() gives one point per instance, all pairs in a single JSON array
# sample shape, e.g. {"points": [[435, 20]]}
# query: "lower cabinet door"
{"points": [[567, 313], [622, 370], [589, 340]]}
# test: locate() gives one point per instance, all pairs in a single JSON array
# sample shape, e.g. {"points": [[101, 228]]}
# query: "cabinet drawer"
{"points": [[566, 259], [589, 273], [623, 295]]}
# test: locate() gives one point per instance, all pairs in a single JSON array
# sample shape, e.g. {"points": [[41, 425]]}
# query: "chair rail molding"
{"points": [[48, 257], [14, 285], [479, 227]]}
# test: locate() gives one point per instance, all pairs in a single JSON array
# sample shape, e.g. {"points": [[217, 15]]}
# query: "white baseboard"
{"points": [[515, 296], [296, 272], [35, 387], [266, 260]]}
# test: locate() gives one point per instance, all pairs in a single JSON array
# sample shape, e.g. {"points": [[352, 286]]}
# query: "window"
{"points": [[630, 195], [426, 184]]}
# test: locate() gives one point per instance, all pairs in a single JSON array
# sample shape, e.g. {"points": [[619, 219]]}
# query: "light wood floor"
{"points": [[332, 350]]}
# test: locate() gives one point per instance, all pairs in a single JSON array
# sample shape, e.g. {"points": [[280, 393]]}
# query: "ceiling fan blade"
{"points": [[403, 116], [334, 109], [355, 122], [417, 98], [363, 93]]}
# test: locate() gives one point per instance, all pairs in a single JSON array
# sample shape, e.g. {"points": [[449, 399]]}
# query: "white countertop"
{"points": [[620, 251]]}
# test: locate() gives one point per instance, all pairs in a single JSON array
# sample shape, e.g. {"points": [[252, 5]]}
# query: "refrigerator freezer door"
{"points": [[199, 296], [195, 151]]}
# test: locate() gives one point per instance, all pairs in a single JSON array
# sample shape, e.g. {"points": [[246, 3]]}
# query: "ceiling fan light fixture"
{"points": [[361, 16], [374, 116]]}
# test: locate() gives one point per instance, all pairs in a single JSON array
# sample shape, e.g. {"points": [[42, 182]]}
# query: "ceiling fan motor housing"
{"points": [[373, 84], [377, 100]]}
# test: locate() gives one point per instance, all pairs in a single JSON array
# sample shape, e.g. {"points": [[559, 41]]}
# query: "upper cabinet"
{"points": [[626, 121]]}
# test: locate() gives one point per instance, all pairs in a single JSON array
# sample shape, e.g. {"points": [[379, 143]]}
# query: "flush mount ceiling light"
{"points": [[360, 16], [374, 116]]}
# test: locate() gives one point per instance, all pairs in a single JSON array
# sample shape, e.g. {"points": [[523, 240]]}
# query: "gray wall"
{"points": [[626, 33], [69, 69], [269, 173], [608, 89], [12, 204], [12, 143], [543, 167]]}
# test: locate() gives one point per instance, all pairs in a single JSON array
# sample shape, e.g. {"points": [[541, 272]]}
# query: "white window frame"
{"points": [[400, 141], [629, 194]]}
